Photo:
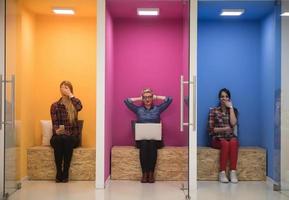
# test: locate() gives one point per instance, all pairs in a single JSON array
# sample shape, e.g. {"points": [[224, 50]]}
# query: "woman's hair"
{"points": [[146, 90], [72, 113], [229, 95], [68, 84], [226, 91]]}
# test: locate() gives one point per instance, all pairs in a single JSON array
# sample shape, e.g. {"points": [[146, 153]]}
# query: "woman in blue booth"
{"points": [[221, 124], [148, 113]]}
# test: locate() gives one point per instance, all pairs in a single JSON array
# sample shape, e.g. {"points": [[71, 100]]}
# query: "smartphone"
{"points": [[61, 127]]}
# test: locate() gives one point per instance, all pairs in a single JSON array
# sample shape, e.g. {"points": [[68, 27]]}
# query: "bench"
{"points": [[251, 164], [172, 164], [41, 166]]}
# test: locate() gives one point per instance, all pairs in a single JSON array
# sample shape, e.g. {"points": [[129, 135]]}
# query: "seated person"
{"points": [[222, 121], [148, 113], [65, 129]]}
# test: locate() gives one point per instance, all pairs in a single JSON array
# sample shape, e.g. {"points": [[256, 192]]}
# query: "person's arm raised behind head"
{"points": [[129, 102], [134, 99], [159, 97], [166, 103]]}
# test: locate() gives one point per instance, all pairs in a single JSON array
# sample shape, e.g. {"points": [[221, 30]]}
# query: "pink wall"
{"points": [[147, 53], [169, 9], [185, 68], [186, 40], [109, 73]]}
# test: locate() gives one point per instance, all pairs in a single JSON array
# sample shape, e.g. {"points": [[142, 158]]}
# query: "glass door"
{"points": [[11, 60], [184, 91], [239, 49], [159, 51], [188, 83], [284, 98], [193, 102], [2, 29]]}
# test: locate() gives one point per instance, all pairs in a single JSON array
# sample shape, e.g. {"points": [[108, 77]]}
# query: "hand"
{"points": [[60, 130], [154, 97], [66, 91], [228, 104], [228, 129]]}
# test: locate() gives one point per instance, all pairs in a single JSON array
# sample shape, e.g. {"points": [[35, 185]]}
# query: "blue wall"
{"points": [[229, 56], [270, 92], [243, 56]]}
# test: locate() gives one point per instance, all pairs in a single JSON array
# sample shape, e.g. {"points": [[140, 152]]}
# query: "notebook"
{"points": [[148, 131]]}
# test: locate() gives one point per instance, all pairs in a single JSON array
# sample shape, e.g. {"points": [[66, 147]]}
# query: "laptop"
{"points": [[148, 131]]}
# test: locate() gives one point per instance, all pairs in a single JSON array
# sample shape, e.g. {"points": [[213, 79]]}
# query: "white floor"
{"points": [[132, 190]]}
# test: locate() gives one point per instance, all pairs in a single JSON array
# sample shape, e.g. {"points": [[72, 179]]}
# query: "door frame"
{"points": [[2, 70], [284, 168], [193, 94], [100, 97]]}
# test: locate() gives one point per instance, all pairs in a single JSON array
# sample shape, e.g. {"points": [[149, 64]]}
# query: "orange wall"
{"points": [[65, 49], [25, 88], [13, 66], [20, 62], [50, 49]]}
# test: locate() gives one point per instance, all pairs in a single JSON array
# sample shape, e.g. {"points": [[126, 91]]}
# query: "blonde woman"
{"points": [[148, 113], [65, 129]]}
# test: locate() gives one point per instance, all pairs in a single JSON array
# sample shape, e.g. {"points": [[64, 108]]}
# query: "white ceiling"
{"points": [[83, 8]]}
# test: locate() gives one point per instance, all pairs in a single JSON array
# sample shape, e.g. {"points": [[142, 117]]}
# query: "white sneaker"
{"points": [[233, 176], [223, 177]]}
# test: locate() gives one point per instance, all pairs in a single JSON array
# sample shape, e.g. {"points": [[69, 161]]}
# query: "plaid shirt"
{"points": [[219, 119], [59, 116]]}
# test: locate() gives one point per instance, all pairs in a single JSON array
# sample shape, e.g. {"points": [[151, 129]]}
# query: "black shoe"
{"points": [[58, 180], [144, 178], [65, 180], [151, 178], [65, 176], [58, 177]]}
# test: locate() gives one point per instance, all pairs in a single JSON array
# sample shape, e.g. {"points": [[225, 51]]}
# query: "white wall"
{"points": [[285, 100], [100, 96], [2, 11]]}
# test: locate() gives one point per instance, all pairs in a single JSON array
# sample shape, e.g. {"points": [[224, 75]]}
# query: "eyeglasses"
{"points": [[147, 97]]}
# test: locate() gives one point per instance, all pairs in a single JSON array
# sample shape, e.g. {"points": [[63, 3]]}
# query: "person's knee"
{"points": [[69, 141], [153, 145], [55, 140], [152, 142], [143, 143], [224, 143], [234, 142]]}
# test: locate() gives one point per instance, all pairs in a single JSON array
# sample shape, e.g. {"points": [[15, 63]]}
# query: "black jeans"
{"points": [[148, 155], [63, 148]]}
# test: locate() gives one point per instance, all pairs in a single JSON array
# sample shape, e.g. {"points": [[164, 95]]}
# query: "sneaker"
{"points": [[233, 176], [223, 177]]}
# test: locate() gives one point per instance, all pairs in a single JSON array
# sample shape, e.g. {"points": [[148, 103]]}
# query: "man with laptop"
{"points": [[148, 129]]}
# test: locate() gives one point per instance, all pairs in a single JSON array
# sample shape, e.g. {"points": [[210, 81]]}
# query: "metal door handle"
{"points": [[13, 100], [182, 123], [12, 81], [194, 101]]}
